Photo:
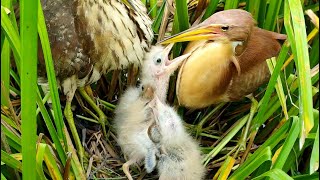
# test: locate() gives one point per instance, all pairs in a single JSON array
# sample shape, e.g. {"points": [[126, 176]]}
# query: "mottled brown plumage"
{"points": [[227, 61], [89, 38]]}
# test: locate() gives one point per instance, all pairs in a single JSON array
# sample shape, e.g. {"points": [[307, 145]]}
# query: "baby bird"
{"points": [[180, 157], [132, 121]]}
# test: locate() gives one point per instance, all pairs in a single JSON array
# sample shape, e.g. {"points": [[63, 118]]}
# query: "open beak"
{"points": [[200, 32], [171, 65]]}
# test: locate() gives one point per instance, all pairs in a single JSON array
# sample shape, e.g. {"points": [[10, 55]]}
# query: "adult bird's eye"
{"points": [[225, 28]]}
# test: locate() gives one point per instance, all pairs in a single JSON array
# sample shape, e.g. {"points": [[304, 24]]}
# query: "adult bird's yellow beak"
{"points": [[200, 32]]}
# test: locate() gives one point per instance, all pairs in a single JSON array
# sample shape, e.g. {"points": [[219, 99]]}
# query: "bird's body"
{"points": [[219, 73], [227, 61], [180, 158], [90, 37]]}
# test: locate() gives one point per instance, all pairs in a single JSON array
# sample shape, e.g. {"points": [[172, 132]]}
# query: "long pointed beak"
{"points": [[200, 32], [171, 65]]}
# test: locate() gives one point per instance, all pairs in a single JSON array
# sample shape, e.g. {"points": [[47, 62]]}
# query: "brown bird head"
{"points": [[234, 25]]}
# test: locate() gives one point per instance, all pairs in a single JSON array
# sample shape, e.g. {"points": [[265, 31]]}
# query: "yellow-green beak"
{"points": [[129, 3], [200, 32]]}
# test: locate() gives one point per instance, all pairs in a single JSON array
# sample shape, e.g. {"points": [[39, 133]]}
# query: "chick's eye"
{"points": [[158, 61], [225, 28]]}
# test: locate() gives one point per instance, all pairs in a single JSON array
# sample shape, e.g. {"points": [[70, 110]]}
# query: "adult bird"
{"points": [[90, 37], [228, 59]]}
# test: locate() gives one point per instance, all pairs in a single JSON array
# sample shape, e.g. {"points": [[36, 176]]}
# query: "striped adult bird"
{"points": [[228, 59], [89, 38]]}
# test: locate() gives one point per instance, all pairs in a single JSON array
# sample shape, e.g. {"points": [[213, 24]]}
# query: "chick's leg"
{"points": [[69, 88], [125, 168], [102, 116], [150, 159]]}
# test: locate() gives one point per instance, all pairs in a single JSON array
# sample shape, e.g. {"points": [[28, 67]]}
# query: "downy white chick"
{"points": [[180, 158], [133, 121]]}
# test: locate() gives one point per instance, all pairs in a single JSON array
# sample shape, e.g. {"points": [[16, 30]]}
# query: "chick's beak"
{"points": [[171, 65], [200, 32]]}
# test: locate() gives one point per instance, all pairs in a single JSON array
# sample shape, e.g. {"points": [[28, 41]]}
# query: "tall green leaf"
{"points": [[29, 55]]}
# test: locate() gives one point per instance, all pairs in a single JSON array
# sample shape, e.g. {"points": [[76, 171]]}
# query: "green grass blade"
{"points": [[236, 128], [153, 8], [231, 4], [176, 29], [51, 129], [262, 13], [3, 177], [39, 161], [314, 160], [314, 176], [226, 168], [9, 4], [10, 161], [288, 144], [15, 76], [43, 34], [12, 36], [44, 154], [259, 119], [11, 136], [302, 61], [274, 174], [5, 72], [264, 155], [253, 8], [272, 15], [182, 14], [29, 56], [314, 53], [211, 8], [270, 142], [279, 88], [157, 20]]}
